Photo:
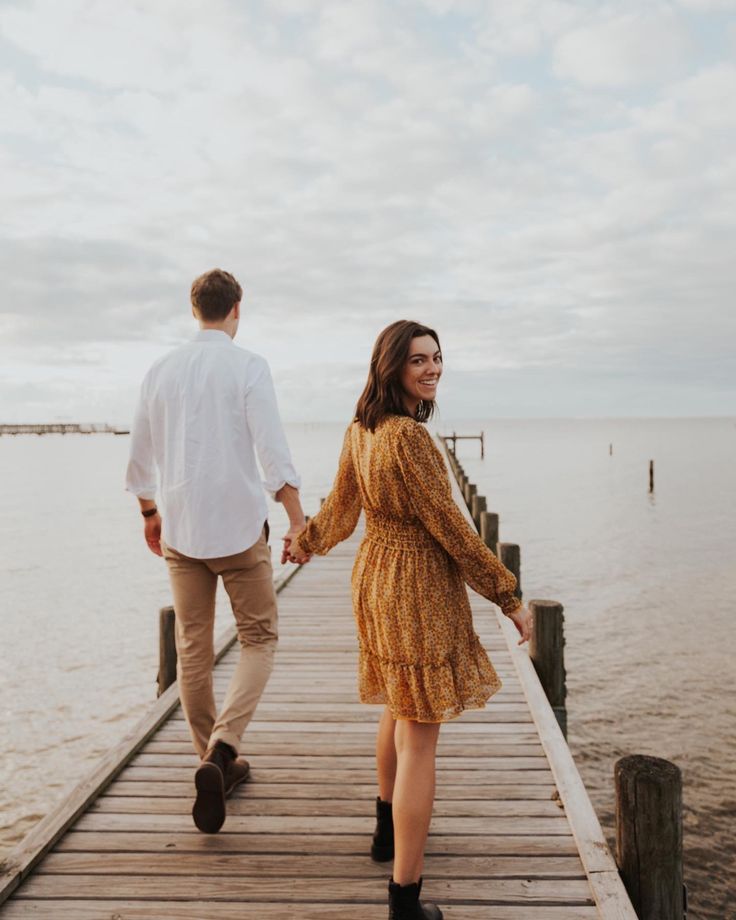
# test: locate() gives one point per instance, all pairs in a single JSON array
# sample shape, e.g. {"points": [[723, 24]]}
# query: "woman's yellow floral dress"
{"points": [[419, 653]]}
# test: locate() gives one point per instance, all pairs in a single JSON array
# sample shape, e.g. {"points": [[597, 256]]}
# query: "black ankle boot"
{"points": [[382, 848], [404, 903]]}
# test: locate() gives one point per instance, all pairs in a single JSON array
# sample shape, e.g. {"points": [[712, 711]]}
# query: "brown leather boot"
{"points": [[209, 780], [237, 773]]}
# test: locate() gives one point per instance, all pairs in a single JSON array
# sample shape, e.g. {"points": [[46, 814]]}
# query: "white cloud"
{"points": [[624, 50], [707, 6], [458, 164]]}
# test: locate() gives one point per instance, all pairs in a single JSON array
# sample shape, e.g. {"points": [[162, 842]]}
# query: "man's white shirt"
{"points": [[204, 411]]}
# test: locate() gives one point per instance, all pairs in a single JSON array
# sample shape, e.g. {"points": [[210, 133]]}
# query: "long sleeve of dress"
{"points": [[428, 486], [338, 517]]}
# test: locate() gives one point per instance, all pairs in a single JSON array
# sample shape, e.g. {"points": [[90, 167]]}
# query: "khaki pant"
{"points": [[248, 580]]}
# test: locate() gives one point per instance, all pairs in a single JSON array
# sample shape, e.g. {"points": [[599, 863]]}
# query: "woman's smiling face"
{"points": [[422, 371]]}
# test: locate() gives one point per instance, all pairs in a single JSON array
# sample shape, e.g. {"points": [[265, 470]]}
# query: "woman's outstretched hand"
{"points": [[522, 620], [289, 553]]}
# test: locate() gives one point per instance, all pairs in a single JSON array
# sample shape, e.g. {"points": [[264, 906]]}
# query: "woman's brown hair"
{"points": [[383, 393]]}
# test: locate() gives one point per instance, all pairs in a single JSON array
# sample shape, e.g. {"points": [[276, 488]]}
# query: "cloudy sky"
{"points": [[551, 184]]}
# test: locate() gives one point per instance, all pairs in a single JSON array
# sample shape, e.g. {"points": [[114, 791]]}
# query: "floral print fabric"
{"points": [[419, 653]]}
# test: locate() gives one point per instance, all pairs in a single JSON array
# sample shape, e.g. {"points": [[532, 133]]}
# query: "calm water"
{"points": [[648, 584]]}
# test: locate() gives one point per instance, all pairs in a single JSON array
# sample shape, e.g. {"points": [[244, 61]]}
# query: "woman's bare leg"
{"points": [[416, 743], [386, 756]]}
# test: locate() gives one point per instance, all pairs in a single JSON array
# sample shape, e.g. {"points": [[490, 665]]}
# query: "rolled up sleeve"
{"points": [[265, 426]]}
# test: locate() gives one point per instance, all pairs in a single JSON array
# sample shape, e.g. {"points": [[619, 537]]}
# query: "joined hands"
{"points": [[289, 553]]}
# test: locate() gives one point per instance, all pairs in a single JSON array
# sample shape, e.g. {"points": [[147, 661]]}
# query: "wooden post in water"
{"points": [[477, 504], [166, 649], [610, 450], [510, 555], [546, 650], [649, 835], [651, 476], [489, 530], [469, 491]]}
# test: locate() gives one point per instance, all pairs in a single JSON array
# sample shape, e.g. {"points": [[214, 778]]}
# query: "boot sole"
{"points": [[381, 854], [209, 807]]}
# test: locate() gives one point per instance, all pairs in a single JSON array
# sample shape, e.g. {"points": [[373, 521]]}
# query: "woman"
{"points": [[419, 654]]}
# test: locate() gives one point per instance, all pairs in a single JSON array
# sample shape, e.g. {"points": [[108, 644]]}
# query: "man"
{"points": [[205, 409]]}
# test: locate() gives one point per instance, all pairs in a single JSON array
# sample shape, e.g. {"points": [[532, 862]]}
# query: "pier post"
{"points": [[649, 835], [651, 476], [489, 530], [546, 650], [510, 555], [477, 504], [166, 649], [469, 491]]}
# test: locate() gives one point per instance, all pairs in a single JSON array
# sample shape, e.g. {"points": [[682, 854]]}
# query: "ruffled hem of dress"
{"points": [[428, 693]]}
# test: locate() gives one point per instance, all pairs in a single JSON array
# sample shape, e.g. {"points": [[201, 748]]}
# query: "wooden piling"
{"points": [[510, 555], [649, 835], [489, 530], [651, 476], [166, 649], [469, 491], [546, 650], [477, 505]]}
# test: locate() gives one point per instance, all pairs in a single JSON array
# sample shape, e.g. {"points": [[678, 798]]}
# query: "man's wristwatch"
{"points": [[150, 512]]}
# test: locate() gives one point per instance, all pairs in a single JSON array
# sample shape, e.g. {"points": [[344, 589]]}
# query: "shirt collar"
{"points": [[212, 335]]}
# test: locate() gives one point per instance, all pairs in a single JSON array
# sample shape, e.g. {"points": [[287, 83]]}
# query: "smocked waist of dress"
{"points": [[396, 532]]}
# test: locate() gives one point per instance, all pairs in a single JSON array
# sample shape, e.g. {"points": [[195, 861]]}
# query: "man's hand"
{"points": [[152, 533], [288, 554], [522, 620]]}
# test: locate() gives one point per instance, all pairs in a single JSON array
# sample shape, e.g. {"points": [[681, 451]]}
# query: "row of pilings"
{"points": [[648, 789]]}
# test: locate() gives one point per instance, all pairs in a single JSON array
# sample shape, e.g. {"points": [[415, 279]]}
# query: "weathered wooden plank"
{"points": [[296, 709], [228, 888], [166, 772], [275, 910], [331, 808], [356, 792], [256, 824], [189, 840], [345, 717], [327, 761], [304, 864], [345, 747], [263, 743]]}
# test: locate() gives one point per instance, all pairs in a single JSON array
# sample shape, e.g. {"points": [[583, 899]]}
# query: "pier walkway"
{"points": [[514, 836]]}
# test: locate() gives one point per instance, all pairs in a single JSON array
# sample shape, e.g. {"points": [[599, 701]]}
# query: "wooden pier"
{"points": [[514, 836], [61, 428]]}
